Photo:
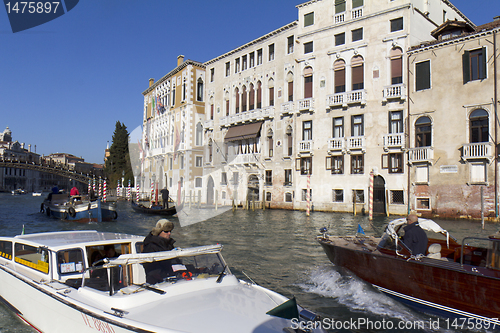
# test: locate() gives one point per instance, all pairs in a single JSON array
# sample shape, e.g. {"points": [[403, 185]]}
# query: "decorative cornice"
{"points": [[255, 41], [173, 72]]}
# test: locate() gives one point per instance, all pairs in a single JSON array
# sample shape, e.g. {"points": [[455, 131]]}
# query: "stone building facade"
{"points": [[172, 149], [316, 106], [453, 123]]}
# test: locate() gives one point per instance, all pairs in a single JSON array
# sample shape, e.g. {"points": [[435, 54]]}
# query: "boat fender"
{"points": [[42, 209], [64, 215], [187, 275], [115, 215], [47, 211], [71, 212]]}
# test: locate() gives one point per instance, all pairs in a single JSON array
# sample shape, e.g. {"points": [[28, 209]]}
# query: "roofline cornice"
{"points": [[453, 41], [255, 41], [172, 73]]}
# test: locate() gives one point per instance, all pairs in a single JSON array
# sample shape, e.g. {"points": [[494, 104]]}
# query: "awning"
{"points": [[241, 132]]}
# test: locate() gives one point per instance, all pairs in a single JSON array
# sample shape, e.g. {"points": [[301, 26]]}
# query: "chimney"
{"points": [[180, 60], [151, 81], [29, 148], [496, 18]]}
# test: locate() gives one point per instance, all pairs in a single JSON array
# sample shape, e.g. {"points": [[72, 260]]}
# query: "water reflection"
{"points": [[276, 248]]}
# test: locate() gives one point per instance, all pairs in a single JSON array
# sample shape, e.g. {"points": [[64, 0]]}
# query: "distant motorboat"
{"points": [[36, 194], [78, 208], [18, 191]]}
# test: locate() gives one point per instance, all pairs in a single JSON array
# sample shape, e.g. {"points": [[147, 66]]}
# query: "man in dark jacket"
{"points": [[415, 237], [159, 240]]}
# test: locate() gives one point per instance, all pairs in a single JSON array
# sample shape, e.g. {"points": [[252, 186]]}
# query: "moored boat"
{"points": [[453, 280], [154, 209], [78, 208], [65, 285], [36, 194], [18, 191]]}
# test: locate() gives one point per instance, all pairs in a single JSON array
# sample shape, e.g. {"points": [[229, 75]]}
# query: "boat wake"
{"points": [[358, 296]]}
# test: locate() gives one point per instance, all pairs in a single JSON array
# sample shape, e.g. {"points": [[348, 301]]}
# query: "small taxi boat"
{"points": [[78, 208], [61, 281], [455, 280]]}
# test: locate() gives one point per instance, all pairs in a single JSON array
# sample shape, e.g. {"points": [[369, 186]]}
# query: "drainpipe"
{"points": [[496, 119], [408, 131]]}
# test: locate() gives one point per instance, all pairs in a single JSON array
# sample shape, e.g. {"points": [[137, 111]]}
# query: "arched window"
{"points": [[479, 127], [237, 100], [259, 95], [396, 56], [271, 92], [423, 132], [270, 142], [211, 108], [243, 99], [357, 73], [308, 82], [199, 90], [251, 97], [289, 140], [289, 79], [339, 75], [199, 134], [227, 103]]}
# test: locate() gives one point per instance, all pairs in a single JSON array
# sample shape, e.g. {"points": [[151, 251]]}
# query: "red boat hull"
{"points": [[439, 286]]}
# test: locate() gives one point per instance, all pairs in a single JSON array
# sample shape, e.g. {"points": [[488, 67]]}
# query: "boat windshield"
{"points": [[183, 268], [387, 242]]}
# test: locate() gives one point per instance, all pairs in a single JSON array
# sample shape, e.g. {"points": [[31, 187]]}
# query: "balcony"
{"points": [[306, 146], [209, 124], [248, 116], [356, 143], [357, 13], [339, 18], [394, 141], [395, 91], [478, 150], [306, 104], [421, 154], [287, 108], [244, 159], [336, 144], [345, 98]]}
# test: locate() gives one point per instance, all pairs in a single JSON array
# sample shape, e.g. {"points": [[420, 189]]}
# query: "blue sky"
{"points": [[64, 84]]}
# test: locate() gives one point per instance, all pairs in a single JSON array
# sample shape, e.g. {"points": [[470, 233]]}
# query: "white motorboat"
{"points": [[58, 282]]}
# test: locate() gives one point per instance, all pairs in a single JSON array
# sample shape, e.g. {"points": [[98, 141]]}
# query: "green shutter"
{"points": [[466, 66], [485, 68], [339, 6], [357, 3], [422, 75]]}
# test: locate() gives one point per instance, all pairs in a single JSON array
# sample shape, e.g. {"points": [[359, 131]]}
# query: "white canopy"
{"points": [[425, 224], [138, 258]]}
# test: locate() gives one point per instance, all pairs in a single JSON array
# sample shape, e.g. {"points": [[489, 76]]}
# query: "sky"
{"points": [[65, 84]]}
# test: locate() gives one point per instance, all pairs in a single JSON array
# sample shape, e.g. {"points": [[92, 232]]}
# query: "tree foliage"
{"points": [[117, 165]]}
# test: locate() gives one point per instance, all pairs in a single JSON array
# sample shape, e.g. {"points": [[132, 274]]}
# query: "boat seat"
{"points": [[434, 251]]}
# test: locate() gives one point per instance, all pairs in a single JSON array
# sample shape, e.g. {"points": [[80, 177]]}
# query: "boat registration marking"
{"points": [[97, 324]]}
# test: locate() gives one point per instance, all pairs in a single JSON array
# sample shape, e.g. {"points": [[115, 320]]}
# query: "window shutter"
{"points": [[485, 68], [329, 163], [466, 66], [308, 93], [397, 67], [357, 77], [357, 3], [297, 164], [339, 6], [423, 75]]}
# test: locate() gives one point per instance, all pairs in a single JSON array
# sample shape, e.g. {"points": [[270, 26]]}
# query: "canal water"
{"points": [[275, 248]]}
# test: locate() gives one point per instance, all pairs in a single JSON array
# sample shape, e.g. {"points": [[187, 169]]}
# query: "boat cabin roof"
{"points": [[64, 239]]}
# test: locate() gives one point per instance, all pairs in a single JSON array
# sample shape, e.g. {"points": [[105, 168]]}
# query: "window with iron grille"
{"points": [[304, 194], [358, 196], [397, 197], [269, 178], [338, 195]]}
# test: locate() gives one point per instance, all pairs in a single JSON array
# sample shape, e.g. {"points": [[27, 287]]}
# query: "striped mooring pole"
{"points": [[370, 200]]}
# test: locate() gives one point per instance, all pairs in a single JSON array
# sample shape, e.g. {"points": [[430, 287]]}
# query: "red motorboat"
{"points": [[455, 280]]}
